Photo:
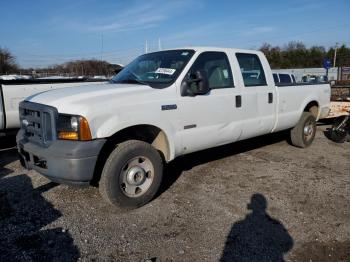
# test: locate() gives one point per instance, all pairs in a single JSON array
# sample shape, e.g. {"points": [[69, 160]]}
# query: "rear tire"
{"points": [[303, 134], [132, 174]]}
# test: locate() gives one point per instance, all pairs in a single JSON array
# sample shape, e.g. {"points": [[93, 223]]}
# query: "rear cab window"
{"points": [[252, 70]]}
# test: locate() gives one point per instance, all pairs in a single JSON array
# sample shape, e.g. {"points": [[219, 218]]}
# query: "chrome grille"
{"points": [[38, 122]]}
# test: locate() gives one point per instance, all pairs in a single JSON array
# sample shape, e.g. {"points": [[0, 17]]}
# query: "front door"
{"points": [[212, 119]]}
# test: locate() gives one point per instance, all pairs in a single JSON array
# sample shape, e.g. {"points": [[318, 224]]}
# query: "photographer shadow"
{"points": [[8, 154], [24, 217], [258, 237]]}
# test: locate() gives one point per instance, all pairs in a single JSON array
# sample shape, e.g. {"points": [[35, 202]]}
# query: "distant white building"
{"points": [[300, 72]]}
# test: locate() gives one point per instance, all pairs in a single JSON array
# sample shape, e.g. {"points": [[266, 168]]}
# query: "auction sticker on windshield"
{"points": [[165, 71]]}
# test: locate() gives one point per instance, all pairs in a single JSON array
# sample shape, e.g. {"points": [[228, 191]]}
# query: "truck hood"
{"points": [[81, 99]]}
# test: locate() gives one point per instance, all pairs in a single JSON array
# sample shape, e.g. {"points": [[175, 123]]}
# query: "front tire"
{"points": [[303, 134], [132, 174]]}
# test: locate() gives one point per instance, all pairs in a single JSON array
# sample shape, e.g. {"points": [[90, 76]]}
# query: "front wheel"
{"points": [[303, 134], [132, 174]]}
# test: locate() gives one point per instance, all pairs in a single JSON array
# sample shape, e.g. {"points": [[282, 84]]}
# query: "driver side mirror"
{"points": [[196, 84]]}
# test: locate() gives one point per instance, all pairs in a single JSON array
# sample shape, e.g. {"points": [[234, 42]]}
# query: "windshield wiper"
{"points": [[131, 81]]}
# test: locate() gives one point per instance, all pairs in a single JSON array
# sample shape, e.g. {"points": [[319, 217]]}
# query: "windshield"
{"points": [[158, 70]]}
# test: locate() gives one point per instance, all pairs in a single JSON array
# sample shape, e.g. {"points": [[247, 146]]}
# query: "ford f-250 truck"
{"points": [[162, 105]]}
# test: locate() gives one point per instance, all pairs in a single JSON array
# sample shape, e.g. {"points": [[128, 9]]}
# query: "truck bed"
{"points": [[295, 97]]}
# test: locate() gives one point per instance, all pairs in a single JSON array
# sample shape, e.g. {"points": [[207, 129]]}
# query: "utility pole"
{"points": [[335, 54], [101, 54], [159, 45], [146, 47]]}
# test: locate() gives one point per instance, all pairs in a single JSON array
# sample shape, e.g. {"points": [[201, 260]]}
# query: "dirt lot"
{"points": [[234, 203]]}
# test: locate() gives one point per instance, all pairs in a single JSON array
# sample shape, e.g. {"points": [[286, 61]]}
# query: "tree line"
{"points": [[88, 67], [297, 55], [292, 55]]}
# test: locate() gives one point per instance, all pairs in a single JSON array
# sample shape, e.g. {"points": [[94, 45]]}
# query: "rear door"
{"points": [[212, 119], [258, 96]]}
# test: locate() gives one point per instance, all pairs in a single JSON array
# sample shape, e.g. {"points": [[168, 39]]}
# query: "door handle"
{"points": [[238, 101], [270, 98]]}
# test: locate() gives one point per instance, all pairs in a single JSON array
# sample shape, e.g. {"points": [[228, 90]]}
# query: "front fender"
{"points": [[114, 124]]}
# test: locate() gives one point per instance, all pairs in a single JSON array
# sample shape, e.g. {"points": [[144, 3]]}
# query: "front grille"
{"points": [[38, 122]]}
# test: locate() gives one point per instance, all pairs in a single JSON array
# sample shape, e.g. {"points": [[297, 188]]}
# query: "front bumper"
{"points": [[67, 162]]}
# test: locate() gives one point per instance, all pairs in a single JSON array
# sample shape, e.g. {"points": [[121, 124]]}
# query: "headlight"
{"points": [[72, 127]]}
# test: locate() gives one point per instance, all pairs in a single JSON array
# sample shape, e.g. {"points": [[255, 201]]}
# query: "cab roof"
{"points": [[220, 49]]}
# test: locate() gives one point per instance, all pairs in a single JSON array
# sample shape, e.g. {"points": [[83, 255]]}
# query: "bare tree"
{"points": [[7, 62]]}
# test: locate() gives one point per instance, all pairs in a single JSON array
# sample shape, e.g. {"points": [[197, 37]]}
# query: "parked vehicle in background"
{"points": [[100, 77], [13, 92], [15, 77], [314, 79], [283, 78], [161, 106]]}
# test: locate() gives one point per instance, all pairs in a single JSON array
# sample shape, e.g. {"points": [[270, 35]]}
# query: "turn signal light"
{"points": [[68, 135], [85, 133], [73, 128]]}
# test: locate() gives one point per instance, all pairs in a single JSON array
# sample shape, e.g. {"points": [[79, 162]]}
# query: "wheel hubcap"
{"points": [[308, 130], [137, 176]]}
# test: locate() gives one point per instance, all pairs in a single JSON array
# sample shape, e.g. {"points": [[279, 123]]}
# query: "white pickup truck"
{"points": [[162, 105], [12, 93]]}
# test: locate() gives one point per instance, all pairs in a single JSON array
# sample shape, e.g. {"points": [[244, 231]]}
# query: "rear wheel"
{"points": [[303, 134], [132, 174]]}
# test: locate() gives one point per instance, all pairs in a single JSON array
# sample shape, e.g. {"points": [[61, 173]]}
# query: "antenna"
{"points": [[146, 47], [159, 45]]}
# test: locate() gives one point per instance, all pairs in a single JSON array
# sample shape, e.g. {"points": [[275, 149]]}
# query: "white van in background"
{"points": [[283, 77]]}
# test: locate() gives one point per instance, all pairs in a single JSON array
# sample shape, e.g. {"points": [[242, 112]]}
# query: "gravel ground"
{"points": [[259, 198]]}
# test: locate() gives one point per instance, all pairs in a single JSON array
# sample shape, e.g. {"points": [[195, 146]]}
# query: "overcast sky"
{"points": [[42, 33]]}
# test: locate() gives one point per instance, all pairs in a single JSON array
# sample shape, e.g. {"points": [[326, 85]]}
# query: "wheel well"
{"points": [[313, 108], [147, 133]]}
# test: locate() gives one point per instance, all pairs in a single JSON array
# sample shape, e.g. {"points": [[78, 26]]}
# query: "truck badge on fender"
{"points": [[169, 107]]}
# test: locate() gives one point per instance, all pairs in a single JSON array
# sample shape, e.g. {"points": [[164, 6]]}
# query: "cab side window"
{"points": [[217, 68], [251, 69]]}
